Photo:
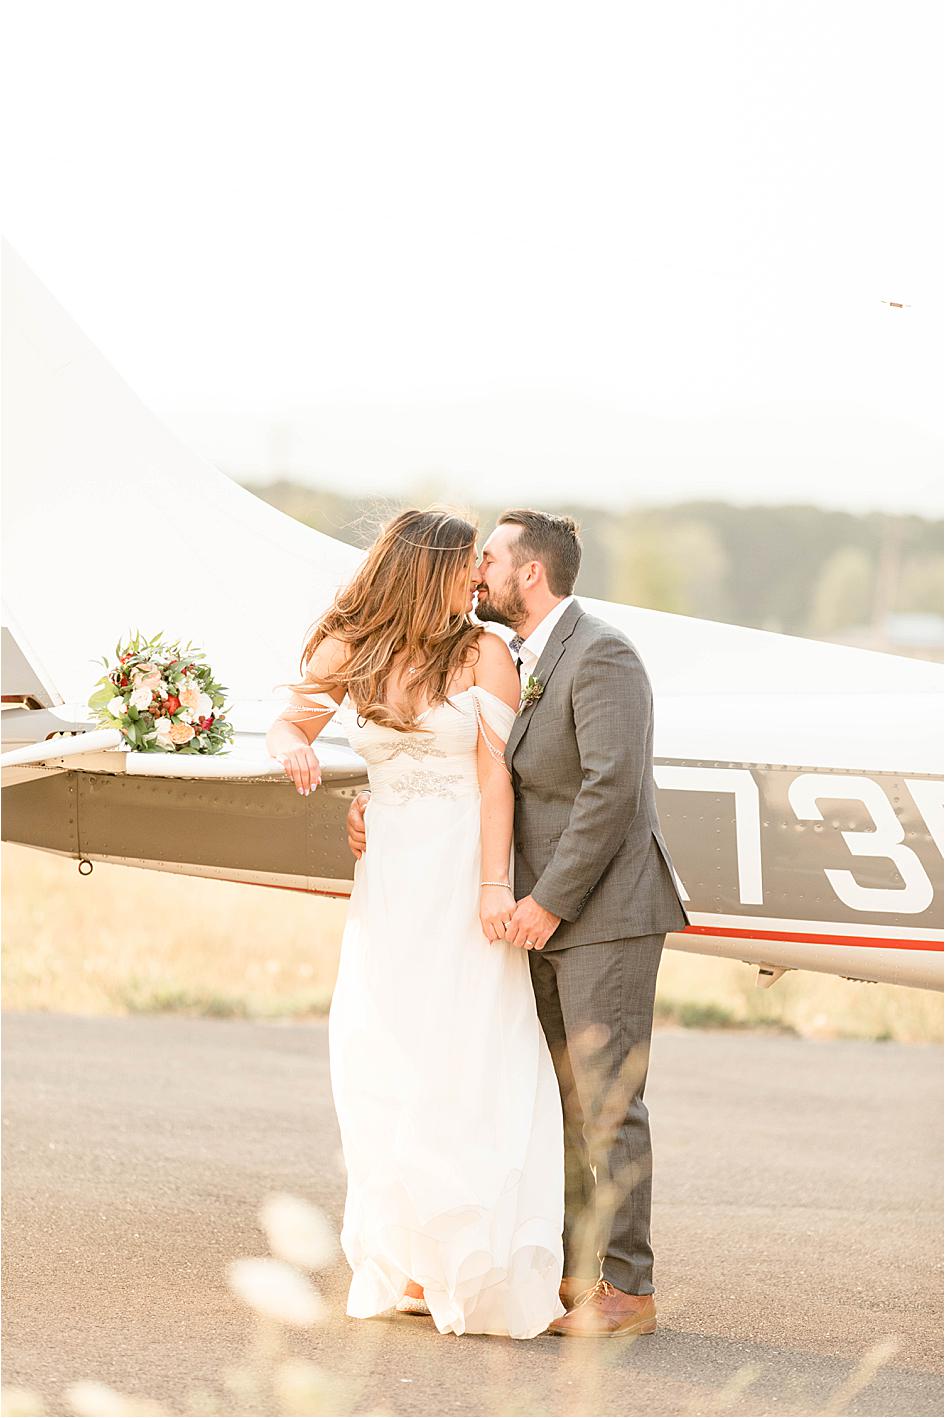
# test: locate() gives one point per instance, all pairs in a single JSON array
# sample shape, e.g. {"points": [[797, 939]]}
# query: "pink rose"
{"points": [[147, 676], [181, 733]]}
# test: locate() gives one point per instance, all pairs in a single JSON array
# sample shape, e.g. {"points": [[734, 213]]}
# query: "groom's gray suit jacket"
{"points": [[588, 845]]}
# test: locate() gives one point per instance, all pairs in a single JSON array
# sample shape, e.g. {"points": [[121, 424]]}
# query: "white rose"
{"points": [[162, 728], [141, 698], [204, 706], [116, 707]]}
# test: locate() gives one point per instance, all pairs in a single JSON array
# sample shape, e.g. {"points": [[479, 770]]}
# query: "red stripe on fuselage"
{"points": [[877, 942]]}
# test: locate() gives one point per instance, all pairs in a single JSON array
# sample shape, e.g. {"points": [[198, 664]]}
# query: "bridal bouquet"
{"points": [[162, 698]]}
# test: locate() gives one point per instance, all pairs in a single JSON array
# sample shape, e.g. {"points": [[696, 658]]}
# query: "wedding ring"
{"points": [[529, 942]]}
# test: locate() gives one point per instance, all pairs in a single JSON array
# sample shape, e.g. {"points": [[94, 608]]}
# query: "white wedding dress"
{"points": [[445, 1092]]}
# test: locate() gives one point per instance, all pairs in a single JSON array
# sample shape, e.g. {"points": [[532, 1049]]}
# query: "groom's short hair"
{"points": [[552, 540]]}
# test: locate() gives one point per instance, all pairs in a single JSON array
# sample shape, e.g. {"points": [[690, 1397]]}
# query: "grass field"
{"points": [[125, 941]]}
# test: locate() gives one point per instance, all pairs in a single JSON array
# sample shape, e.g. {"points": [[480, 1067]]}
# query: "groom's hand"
{"points": [[357, 835], [531, 925]]}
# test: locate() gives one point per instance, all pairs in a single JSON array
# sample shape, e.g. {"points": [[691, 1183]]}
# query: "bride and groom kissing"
{"points": [[490, 1027]]}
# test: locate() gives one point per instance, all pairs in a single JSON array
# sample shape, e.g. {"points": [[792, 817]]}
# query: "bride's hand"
{"points": [[302, 767], [496, 904]]}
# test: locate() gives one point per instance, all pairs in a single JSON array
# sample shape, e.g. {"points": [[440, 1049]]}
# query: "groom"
{"points": [[595, 897]]}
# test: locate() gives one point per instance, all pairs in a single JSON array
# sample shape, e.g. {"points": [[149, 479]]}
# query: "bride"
{"points": [[445, 1092]]}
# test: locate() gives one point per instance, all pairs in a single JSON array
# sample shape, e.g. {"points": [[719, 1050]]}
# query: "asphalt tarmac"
{"points": [[796, 1225]]}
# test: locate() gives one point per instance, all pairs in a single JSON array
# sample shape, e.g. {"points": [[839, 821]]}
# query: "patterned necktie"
{"points": [[515, 644]]}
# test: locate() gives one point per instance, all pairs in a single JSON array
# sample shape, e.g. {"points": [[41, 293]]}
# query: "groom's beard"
{"points": [[507, 606]]}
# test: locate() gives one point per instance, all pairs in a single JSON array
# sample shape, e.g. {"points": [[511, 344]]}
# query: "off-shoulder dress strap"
{"points": [[314, 697], [496, 713]]}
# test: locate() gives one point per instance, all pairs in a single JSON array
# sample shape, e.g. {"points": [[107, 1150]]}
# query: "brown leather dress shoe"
{"points": [[605, 1312], [571, 1289]]}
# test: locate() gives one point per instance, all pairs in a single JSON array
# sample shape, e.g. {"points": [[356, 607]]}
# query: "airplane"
{"points": [[799, 783]]}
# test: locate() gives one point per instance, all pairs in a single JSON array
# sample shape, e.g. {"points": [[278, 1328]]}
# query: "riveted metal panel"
{"points": [[794, 851], [243, 825], [42, 813]]}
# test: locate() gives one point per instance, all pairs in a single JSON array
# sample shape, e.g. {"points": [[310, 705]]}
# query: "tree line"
{"points": [[799, 570]]}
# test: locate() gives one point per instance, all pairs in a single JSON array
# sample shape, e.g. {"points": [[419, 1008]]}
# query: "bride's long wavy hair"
{"points": [[398, 605]]}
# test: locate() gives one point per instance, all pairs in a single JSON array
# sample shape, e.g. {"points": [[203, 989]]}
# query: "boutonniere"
{"points": [[531, 693]]}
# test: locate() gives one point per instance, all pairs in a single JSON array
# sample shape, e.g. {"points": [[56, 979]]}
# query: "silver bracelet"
{"points": [[496, 883]]}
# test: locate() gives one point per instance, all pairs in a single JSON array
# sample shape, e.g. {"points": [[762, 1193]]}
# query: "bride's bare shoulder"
{"points": [[329, 656], [495, 669], [493, 648]]}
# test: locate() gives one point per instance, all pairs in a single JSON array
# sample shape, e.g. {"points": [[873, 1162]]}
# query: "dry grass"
{"points": [[124, 941], [697, 990]]}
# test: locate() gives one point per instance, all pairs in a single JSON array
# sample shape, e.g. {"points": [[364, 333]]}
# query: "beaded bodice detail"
{"points": [[437, 760]]}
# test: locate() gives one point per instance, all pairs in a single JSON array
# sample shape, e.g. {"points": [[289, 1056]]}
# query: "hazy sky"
{"points": [[605, 252]]}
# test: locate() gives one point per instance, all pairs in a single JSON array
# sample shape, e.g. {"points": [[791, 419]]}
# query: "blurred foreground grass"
{"points": [[125, 941]]}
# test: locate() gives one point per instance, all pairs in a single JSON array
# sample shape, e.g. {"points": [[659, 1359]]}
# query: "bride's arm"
{"points": [[291, 736], [496, 673]]}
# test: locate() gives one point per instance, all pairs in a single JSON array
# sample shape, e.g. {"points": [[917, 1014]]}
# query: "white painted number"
{"points": [[742, 785], [886, 840]]}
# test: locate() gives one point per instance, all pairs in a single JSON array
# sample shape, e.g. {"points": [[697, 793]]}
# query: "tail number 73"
{"points": [[885, 839]]}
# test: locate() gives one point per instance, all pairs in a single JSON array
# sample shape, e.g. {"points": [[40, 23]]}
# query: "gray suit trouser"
{"points": [[595, 1004]]}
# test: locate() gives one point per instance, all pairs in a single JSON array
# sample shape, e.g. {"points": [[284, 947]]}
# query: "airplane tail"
{"points": [[111, 524]]}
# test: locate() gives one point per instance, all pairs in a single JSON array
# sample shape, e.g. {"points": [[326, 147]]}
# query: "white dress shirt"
{"points": [[531, 650]]}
